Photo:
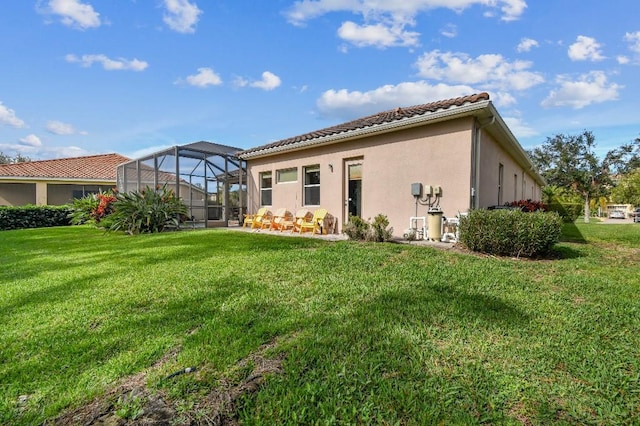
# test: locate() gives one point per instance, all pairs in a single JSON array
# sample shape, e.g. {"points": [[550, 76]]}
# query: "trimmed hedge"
{"points": [[569, 212], [34, 216], [510, 232]]}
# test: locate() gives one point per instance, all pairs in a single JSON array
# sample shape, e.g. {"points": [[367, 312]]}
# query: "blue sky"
{"points": [[82, 77]]}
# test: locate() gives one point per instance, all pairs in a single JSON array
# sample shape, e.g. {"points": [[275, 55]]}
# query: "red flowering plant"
{"points": [[93, 207], [529, 205]]}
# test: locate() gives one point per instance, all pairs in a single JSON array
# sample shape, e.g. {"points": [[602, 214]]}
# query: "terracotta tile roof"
{"points": [[94, 167], [373, 120]]}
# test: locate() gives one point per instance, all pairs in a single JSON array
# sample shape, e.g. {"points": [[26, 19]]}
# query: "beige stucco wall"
{"points": [[437, 154], [17, 194], [44, 193], [518, 183]]}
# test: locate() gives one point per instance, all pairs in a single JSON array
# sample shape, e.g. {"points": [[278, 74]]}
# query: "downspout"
{"points": [[476, 167]]}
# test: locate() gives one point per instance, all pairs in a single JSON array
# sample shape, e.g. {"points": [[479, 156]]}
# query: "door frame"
{"points": [[347, 162]]}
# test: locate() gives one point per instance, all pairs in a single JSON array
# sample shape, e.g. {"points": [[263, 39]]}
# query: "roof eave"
{"points": [[471, 109], [27, 179]]}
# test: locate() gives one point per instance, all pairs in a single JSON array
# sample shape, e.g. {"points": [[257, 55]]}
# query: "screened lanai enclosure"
{"points": [[208, 177]]}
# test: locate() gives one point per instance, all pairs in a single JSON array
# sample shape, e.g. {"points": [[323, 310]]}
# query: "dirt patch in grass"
{"points": [[133, 403]]}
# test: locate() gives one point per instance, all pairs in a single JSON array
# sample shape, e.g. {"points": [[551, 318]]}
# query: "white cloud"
{"points": [[519, 128], [503, 99], [395, 11], [449, 30], [634, 41], [31, 140], [589, 89], [269, 82], [181, 16], [42, 152], [378, 35], [73, 13], [345, 105], [60, 128], [585, 49], [108, 64], [8, 116], [384, 22], [492, 71], [623, 60], [526, 44], [204, 78]]}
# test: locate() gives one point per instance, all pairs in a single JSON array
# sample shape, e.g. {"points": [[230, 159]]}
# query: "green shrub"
{"points": [[510, 232], [33, 216], [380, 230], [569, 212], [359, 229], [93, 208], [356, 228], [146, 211]]}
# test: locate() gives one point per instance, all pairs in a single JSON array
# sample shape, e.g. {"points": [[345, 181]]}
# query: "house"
{"points": [[57, 182], [454, 155]]}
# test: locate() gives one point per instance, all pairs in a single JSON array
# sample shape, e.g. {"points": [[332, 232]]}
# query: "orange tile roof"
{"points": [[371, 121], [93, 167]]}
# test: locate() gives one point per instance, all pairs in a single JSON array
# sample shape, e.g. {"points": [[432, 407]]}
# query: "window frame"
{"points": [[500, 182], [287, 169], [310, 186], [266, 190]]}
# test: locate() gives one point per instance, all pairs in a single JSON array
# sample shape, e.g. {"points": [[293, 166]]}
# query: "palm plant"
{"points": [[147, 211]]}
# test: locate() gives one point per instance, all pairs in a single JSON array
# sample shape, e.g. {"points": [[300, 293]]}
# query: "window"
{"points": [[515, 187], [500, 182], [265, 188], [287, 175], [312, 186]]}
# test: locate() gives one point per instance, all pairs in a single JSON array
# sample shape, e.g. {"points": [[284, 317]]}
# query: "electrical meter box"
{"points": [[428, 190], [416, 189], [437, 190]]}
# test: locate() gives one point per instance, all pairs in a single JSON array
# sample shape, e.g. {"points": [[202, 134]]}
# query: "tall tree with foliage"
{"points": [[7, 159], [627, 191], [568, 161], [623, 160]]}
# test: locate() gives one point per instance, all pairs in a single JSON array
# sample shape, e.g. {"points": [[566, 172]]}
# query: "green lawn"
{"points": [[366, 333]]}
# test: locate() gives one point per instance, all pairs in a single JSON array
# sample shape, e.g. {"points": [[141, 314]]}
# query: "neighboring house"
{"points": [[370, 165], [57, 182]]}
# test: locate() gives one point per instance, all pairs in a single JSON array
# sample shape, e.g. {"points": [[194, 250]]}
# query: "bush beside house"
{"points": [[31, 216], [510, 232]]}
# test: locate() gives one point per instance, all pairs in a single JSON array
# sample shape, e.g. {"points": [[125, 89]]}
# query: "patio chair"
{"points": [[279, 219], [256, 222], [248, 217], [294, 222], [316, 223]]}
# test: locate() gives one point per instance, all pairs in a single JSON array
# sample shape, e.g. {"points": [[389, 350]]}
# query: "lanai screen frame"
{"points": [[193, 168]]}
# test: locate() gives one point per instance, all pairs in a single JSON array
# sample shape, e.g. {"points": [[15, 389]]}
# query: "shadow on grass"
{"points": [[563, 252], [571, 234]]}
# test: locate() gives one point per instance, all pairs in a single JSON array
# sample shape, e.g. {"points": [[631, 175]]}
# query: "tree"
{"points": [[6, 159], [623, 160], [627, 191], [568, 161]]}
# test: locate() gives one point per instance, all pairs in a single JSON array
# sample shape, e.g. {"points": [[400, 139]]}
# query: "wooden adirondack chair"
{"points": [[279, 219], [248, 218], [257, 219], [294, 223], [316, 223]]}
